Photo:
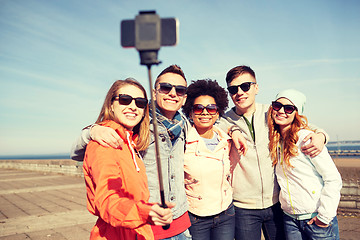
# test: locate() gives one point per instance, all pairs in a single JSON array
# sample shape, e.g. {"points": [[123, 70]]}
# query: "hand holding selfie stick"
{"points": [[147, 34]]}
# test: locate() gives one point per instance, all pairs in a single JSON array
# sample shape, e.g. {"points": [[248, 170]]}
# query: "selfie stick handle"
{"points": [[157, 152]]}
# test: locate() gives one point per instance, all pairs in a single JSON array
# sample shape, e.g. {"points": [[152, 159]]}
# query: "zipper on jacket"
{"points": [[193, 182], [222, 180], [132, 151], [258, 160], [261, 178], [287, 180]]}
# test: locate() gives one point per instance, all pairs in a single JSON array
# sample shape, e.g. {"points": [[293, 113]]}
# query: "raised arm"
{"points": [[235, 133]]}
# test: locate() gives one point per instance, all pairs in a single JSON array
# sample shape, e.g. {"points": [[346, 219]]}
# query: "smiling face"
{"points": [[128, 115], [169, 103], [244, 101], [204, 121], [284, 120]]}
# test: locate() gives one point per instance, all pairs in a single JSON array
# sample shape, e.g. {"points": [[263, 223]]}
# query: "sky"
{"points": [[59, 58]]}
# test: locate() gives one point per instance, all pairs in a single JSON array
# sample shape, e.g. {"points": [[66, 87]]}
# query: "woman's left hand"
{"points": [[317, 222]]}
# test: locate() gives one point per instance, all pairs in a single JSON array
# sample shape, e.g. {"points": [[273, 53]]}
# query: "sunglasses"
{"points": [[167, 87], [287, 108], [125, 99], [244, 87], [198, 109]]}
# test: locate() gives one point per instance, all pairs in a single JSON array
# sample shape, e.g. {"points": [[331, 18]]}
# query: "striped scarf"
{"points": [[173, 126]]}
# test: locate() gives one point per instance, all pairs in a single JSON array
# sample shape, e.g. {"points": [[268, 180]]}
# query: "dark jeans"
{"points": [[217, 227], [249, 223], [300, 230]]}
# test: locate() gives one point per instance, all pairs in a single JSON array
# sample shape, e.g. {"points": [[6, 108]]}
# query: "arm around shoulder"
{"points": [[105, 136], [318, 139], [78, 148], [318, 130]]}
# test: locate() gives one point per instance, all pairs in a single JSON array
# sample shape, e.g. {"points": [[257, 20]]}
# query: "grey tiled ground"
{"points": [[40, 206]]}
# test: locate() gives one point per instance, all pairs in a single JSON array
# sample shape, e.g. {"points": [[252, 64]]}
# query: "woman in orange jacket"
{"points": [[116, 182]]}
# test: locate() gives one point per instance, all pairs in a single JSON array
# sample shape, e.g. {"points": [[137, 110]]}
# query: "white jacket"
{"points": [[313, 185]]}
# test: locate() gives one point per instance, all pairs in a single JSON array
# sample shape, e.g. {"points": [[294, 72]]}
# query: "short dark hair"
{"points": [[206, 87], [171, 69], [237, 71]]}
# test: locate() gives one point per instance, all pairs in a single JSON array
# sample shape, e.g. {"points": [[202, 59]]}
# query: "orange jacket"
{"points": [[117, 189]]}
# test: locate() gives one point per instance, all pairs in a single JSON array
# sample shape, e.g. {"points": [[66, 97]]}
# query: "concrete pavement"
{"points": [[37, 206]]}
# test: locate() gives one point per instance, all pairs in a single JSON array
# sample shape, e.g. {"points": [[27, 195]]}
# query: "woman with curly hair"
{"points": [[207, 164], [310, 186]]}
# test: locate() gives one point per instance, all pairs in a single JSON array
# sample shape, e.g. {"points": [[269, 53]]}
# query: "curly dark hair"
{"points": [[206, 87]]}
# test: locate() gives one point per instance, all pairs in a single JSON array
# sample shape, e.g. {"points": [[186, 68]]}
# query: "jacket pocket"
{"points": [[194, 196]]}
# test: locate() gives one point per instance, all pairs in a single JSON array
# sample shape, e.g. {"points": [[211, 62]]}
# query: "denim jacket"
{"points": [[172, 165]]}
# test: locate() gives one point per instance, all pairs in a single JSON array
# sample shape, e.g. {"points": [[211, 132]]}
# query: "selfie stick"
{"points": [[156, 137], [148, 48]]}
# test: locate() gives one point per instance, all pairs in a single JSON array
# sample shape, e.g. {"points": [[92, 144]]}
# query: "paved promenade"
{"points": [[39, 206]]}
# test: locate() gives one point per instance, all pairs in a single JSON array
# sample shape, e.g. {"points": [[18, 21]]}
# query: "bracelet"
{"points": [[233, 130]]}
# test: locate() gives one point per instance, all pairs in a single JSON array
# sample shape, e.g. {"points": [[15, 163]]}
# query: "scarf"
{"points": [[173, 126]]}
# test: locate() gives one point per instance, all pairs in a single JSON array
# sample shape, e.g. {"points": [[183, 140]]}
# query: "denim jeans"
{"points": [[216, 227], [249, 223], [299, 229], [182, 236]]}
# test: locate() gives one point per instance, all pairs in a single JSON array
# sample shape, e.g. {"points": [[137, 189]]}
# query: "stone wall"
{"points": [[61, 166], [350, 193]]}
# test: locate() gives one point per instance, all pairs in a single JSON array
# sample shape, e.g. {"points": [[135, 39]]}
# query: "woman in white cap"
{"points": [[310, 187]]}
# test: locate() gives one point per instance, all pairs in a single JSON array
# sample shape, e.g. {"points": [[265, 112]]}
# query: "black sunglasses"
{"points": [[198, 109], [289, 109], [244, 86], [125, 99], [167, 87]]}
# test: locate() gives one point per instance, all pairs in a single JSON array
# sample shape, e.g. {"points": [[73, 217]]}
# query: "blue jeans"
{"points": [[182, 236], [249, 223], [217, 227], [299, 229]]}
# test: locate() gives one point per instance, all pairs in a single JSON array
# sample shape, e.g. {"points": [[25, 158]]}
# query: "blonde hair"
{"points": [[289, 140], [142, 128]]}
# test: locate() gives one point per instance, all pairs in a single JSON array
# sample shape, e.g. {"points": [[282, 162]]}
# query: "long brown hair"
{"points": [[289, 140], [142, 128]]}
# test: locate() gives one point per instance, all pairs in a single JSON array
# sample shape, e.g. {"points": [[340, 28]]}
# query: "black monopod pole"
{"points": [[156, 138]]}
